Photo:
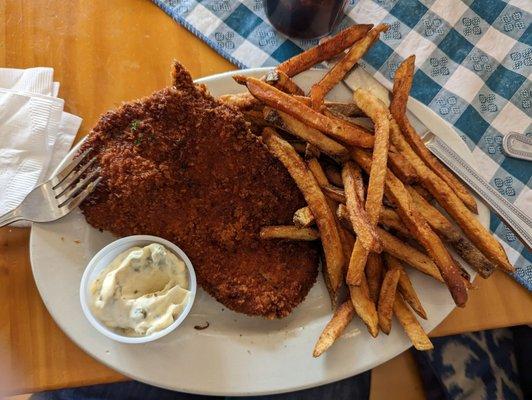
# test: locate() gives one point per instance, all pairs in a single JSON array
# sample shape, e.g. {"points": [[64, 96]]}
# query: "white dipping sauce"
{"points": [[142, 291]]}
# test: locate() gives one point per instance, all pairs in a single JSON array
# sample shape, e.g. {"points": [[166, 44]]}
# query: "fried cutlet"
{"points": [[181, 165]]}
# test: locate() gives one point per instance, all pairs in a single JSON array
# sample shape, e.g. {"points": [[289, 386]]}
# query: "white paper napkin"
{"points": [[36, 132]]}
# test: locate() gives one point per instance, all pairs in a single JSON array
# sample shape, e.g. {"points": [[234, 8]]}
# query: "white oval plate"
{"points": [[236, 355]]}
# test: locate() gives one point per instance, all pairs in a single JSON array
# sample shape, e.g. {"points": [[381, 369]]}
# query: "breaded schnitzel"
{"points": [[181, 165]]}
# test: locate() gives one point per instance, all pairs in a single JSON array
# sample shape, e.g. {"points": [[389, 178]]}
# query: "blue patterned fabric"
{"points": [[356, 387], [474, 63], [479, 365]]}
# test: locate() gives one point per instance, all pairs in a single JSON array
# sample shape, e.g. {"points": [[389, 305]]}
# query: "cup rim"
{"points": [[118, 246]]}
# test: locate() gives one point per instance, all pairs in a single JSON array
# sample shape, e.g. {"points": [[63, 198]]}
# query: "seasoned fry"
{"points": [[366, 232], [343, 66], [243, 101], [342, 119], [341, 318], [283, 82], [410, 255], [378, 113], [334, 193], [316, 201], [303, 218], [338, 109], [409, 294], [401, 90], [302, 131], [448, 199], [364, 307], [333, 175], [316, 169], [324, 51], [349, 110], [387, 293], [420, 229], [374, 274], [348, 241], [390, 219], [398, 248], [401, 167], [451, 234], [288, 232], [281, 101], [413, 329]]}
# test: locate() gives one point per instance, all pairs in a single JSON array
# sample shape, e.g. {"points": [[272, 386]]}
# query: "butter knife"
{"points": [[514, 218]]}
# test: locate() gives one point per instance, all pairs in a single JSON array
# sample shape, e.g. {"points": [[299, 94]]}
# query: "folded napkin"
{"points": [[473, 61], [36, 132]]}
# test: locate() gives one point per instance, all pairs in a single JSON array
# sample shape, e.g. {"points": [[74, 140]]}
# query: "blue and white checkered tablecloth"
{"points": [[474, 68]]}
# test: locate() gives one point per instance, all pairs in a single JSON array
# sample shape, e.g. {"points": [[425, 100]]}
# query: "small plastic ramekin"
{"points": [[104, 257]]}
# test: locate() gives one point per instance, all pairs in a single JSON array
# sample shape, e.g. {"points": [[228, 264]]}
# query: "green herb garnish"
{"points": [[134, 125], [138, 140]]}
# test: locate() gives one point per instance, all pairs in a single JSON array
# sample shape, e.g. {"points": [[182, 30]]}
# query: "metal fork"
{"points": [[58, 196], [516, 220]]}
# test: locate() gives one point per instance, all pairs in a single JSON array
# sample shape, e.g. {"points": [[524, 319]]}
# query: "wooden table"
{"points": [[105, 52]]}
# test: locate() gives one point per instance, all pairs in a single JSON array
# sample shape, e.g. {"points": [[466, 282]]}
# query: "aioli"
{"points": [[141, 291]]}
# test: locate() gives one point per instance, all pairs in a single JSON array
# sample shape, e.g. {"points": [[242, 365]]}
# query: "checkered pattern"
{"points": [[474, 68]]}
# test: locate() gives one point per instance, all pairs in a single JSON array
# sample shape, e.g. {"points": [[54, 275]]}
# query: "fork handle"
{"points": [[9, 218], [515, 219]]}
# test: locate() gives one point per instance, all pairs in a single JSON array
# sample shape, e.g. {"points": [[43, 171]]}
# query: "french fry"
{"points": [[364, 307], [333, 175], [341, 119], [283, 82], [387, 293], [307, 184], [341, 318], [304, 132], [398, 248], [406, 289], [379, 114], [350, 110], [413, 329], [345, 238], [401, 90], [343, 66], [303, 218], [418, 226], [448, 199], [243, 101], [348, 241], [316, 169], [334, 293], [281, 101], [410, 255], [334, 193], [289, 232], [366, 232], [324, 51], [338, 109], [374, 274], [401, 167], [451, 234], [390, 219]]}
